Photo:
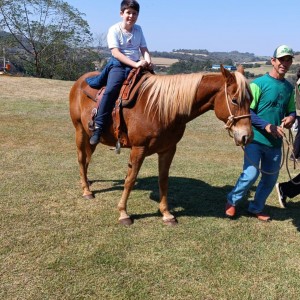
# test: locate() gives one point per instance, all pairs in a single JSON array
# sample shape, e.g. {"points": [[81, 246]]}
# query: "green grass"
{"points": [[56, 245]]}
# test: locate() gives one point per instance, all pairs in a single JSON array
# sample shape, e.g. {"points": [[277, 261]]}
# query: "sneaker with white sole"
{"points": [[281, 196]]}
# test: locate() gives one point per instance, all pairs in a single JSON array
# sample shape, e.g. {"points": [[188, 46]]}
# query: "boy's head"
{"points": [[125, 4]]}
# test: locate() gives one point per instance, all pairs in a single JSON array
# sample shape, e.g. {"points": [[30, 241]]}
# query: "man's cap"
{"points": [[283, 50]]}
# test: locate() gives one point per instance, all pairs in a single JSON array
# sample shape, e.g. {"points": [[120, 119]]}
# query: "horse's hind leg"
{"points": [[84, 154], [137, 156], [164, 163]]}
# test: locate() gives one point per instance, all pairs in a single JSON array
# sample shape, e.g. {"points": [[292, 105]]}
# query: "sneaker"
{"points": [[229, 210], [95, 138], [281, 197], [261, 216]]}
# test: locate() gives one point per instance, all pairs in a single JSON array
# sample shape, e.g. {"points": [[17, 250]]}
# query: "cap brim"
{"points": [[279, 56]]}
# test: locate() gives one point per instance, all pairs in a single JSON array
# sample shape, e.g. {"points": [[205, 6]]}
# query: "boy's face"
{"points": [[129, 16]]}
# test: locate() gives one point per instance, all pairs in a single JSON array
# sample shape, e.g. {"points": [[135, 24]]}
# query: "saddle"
{"points": [[127, 98]]}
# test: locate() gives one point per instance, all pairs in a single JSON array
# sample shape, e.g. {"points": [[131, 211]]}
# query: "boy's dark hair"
{"points": [[298, 74], [125, 4]]}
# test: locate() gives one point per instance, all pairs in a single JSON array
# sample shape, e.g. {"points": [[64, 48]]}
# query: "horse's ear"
{"points": [[240, 69], [227, 75]]}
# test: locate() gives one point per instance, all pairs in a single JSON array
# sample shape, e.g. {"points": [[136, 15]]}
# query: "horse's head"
{"points": [[232, 105]]}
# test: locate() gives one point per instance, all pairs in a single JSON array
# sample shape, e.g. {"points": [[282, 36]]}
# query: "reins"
{"points": [[285, 157]]}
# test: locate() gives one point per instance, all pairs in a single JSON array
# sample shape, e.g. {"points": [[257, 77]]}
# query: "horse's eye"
{"points": [[234, 101]]}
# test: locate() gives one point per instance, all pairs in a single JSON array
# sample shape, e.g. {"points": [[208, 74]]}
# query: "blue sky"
{"points": [[256, 26]]}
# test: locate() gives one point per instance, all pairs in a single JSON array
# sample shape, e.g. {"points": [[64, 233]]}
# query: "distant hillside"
{"points": [[213, 57], [201, 55]]}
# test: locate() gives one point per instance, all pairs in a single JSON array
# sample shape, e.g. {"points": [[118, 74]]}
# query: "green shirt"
{"points": [[273, 99]]}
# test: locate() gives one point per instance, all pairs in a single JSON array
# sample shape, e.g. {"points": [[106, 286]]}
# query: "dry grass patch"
{"points": [[163, 61]]}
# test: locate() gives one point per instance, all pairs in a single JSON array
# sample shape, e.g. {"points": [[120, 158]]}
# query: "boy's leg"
{"points": [[115, 80], [98, 81]]}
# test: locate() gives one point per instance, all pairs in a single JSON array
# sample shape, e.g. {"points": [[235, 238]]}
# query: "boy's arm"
{"points": [[146, 55], [127, 61]]}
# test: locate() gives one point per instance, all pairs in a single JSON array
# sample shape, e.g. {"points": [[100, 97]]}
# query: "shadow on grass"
{"points": [[292, 212], [193, 197]]}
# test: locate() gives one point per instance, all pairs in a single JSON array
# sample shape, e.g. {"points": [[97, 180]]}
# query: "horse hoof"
{"points": [[171, 222], [88, 197], [126, 222]]}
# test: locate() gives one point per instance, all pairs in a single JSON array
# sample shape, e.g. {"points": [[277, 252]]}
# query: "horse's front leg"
{"points": [[137, 156], [84, 153], [164, 163]]}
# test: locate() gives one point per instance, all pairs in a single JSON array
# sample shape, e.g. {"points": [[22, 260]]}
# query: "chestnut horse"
{"points": [[157, 121]]}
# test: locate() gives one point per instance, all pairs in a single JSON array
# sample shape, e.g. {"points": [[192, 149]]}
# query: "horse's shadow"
{"points": [[193, 197]]}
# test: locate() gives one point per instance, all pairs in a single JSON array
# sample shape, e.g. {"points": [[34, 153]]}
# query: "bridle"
{"points": [[232, 118]]}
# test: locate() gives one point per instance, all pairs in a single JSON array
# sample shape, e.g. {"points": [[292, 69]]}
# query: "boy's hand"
{"points": [[142, 63]]}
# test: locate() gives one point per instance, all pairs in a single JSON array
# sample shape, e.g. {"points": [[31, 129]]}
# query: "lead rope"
{"points": [[285, 157], [290, 143]]}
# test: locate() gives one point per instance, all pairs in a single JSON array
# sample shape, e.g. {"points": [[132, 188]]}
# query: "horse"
{"points": [[157, 121]]}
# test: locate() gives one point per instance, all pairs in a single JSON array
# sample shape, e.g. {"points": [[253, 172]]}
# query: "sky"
{"points": [[256, 26]]}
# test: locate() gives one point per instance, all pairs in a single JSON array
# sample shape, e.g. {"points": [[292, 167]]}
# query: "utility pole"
{"points": [[4, 62]]}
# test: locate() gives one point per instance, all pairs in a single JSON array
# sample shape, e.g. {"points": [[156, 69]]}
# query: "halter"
{"points": [[232, 118]]}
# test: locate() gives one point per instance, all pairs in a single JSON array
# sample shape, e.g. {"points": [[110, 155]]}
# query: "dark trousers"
{"points": [[117, 74], [296, 145], [290, 189], [98, 81]]}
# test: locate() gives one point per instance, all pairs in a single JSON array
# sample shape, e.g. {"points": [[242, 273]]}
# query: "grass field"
{"points": [[56, 245]]}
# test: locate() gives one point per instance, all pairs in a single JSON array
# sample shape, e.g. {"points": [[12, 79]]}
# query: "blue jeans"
{"points": [[116, 73], [100, 80], [268, 159]]}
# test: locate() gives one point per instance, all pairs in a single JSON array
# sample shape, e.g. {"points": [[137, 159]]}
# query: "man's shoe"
{"points": [[261, 216], [281, 197], [95, 138], [229, 210]]}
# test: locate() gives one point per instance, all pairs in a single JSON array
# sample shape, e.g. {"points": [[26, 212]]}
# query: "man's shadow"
{"points": [[194, 197]]}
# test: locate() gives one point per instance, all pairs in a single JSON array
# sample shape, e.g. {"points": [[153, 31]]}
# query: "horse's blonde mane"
{"points": [[243, 87], [170, 95]]}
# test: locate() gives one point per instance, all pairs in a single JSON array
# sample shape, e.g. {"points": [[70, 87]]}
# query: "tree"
{"points": [[49, 32]]}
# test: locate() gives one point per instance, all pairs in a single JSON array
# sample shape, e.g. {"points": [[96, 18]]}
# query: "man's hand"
{"points": [[275, 131], [288, 122]]}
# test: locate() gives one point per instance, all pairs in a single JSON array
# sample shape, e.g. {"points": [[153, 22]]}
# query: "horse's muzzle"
{"points": [[242, 137]]}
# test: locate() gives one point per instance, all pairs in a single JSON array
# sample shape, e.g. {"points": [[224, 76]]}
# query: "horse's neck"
{"points": [[204, 101]]}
